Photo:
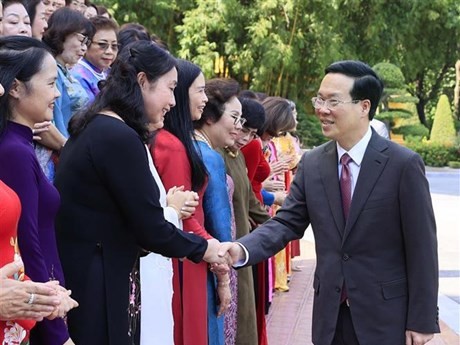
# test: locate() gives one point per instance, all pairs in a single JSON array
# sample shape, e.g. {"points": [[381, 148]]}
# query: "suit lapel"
{"points": [[374, 161], [329, 176]]}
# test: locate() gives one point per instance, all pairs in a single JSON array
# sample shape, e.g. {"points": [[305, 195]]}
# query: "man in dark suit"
{"points": [[376, 280]]}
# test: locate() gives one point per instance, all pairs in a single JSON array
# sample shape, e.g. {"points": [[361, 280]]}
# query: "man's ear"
{"points": [[366, 107], [17, 89], [142, 80]]}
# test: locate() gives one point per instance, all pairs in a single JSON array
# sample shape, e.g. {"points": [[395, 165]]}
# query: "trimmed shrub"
{"points": [[454, 165], [417, 130], [443, 130], [390, 74], [433, 154]]}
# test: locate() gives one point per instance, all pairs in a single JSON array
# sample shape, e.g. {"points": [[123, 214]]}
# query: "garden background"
{"points": [[281, 47]]}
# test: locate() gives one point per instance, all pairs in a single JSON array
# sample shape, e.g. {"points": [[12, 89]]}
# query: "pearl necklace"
{"points": [[203, 138]]}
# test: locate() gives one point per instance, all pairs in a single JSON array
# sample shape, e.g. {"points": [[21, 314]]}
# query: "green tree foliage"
{"points": [[281, 47], [420, 36], [443, 130], [395, 90], [160, 17], [272, 46]]}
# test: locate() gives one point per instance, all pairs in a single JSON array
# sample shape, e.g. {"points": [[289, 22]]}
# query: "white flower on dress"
{"points": [[14, 334]]}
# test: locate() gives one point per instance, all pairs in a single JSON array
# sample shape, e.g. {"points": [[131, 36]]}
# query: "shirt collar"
{"points": [[356, 152]]}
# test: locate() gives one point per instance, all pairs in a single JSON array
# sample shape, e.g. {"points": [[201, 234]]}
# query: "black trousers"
{"points": [[344, 331]]}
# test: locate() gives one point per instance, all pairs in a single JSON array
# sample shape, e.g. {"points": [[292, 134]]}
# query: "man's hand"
{"points": [[414, 338], [24, 299], [212, 255], [233, 250]]}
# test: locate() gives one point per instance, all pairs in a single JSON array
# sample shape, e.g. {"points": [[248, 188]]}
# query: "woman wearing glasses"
{"points": [[67, 36], [101, 53], [278, 119], [217, 128], [246, 207]]}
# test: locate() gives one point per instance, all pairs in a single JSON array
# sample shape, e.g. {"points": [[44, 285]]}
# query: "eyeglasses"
{"points": [[85, 40], [237, 119], [251, 132], [104, 46], [330, 104]]}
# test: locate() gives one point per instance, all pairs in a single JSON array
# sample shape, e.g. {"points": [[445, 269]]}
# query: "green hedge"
{"points": [[434, 155], [417, 130]]}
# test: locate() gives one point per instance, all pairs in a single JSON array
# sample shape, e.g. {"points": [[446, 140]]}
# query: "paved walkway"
{"points": [[289, 320]]}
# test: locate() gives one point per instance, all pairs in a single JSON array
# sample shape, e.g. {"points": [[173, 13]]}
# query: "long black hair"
{"points": [[121, 92], [178, 121], [20, 58]]}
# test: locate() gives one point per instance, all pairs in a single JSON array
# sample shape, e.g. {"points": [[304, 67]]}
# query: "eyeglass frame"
{"points": [[327, 102], [86, 41], [105, 45], [252, 133], [237, 119]]}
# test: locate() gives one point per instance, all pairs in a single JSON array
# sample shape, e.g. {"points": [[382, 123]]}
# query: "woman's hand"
{"points": [[184, 202], [48, 135], [279, 166], [67, 303], [224, 293], [24, 299], [273, 185]]}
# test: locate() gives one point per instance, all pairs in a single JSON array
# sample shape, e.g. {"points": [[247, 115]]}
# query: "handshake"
{"points": [[223, 255]]}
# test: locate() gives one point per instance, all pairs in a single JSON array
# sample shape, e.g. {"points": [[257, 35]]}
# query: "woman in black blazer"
{"points": [[110, 212]]}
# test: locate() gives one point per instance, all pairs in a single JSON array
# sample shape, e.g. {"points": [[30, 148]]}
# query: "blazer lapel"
{"points": [[329, 176], [373, 163]]}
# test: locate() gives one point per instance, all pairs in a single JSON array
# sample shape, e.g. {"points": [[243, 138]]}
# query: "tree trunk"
{"points": [[421, 111], [457, 90], [419, 92]]}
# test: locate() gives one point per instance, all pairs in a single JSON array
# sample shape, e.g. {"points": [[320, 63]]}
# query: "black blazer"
{"points": [[386, 252], [110, 210]]}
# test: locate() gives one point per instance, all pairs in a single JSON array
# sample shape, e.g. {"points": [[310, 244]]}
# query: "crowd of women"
{"points": [[116, 157]]}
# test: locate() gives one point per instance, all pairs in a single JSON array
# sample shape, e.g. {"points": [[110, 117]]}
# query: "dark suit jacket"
{"points": [[386, 253]]}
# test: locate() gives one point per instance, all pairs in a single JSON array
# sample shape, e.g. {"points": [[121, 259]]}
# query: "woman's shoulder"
{"points": [[165, 137], [166, 143], [109, 130]]}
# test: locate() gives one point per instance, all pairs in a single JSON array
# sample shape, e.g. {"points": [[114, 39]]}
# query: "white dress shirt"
{"points": [[357, 154]]}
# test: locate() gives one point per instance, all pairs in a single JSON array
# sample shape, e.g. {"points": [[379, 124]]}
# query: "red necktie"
{"points": [[345, 184], [345, 189]]}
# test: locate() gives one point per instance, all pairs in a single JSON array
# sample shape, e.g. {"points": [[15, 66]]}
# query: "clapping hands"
{"points": [[30, 300], [184, 202]]}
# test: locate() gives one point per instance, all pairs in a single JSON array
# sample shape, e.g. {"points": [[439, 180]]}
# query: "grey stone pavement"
{"points": [[289, 319]]}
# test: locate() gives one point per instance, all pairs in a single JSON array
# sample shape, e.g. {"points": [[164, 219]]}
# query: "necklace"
{"points": [[231, 153], [203, 138]]}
